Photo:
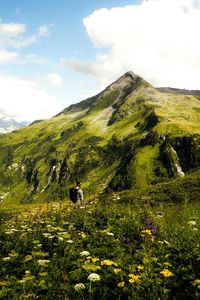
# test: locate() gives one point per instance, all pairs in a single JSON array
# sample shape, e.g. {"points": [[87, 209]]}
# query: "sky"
{"points": [[57, 53]]}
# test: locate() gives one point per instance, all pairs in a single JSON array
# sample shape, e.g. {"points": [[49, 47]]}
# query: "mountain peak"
{"points": [[128, 77]]}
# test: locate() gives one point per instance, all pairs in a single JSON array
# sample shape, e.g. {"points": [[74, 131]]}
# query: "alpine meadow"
{"points": [[136, 150]]}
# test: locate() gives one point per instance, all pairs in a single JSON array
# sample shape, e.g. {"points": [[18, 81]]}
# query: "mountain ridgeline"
{"points": [[131, 138]]}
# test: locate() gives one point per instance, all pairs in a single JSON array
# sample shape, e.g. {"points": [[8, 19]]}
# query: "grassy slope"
{"points": [[64, 136]]}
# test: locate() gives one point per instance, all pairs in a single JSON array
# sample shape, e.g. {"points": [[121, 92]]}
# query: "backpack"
{"points": [[73, 194]]}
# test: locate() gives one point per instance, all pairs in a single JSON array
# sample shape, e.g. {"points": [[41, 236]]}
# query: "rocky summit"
{"points": [[131, 138]]}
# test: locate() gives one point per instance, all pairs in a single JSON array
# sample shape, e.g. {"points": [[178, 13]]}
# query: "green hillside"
{"points": [[131, 136]]}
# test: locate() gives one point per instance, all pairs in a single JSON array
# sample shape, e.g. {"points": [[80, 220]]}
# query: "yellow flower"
{"points": [[166, 273], [133, 278], [90, 267], [140, 267], [43, 262], [146, 231], [107, 262], [83, 235], [117, 270], [197, 281], [121, 284], [27, 258], [13, 254], [94, 259], [40, 253]]}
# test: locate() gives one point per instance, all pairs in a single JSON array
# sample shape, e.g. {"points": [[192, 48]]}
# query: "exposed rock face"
{"points": [[188, 151]]}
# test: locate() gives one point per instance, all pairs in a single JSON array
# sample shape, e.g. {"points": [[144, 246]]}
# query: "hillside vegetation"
{"points": [[131, 136], [106, 250]]}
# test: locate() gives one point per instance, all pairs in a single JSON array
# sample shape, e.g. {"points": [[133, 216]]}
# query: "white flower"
{"points": [[195, 229], [50, 236], [79, 286], [110, 233], [94, 277], [84, 253], [69, 241], [192, 223], [6, 258]]}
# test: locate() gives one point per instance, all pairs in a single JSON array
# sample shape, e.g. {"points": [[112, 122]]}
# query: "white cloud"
{"points": [[25, 100], [157, 39], [12, 35], [44, 30], [12, 29], [55, 79], [23, 41], [7, 56]]}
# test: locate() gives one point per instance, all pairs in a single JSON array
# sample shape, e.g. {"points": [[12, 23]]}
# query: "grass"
{"points": [[106, 250], [144, 165]]}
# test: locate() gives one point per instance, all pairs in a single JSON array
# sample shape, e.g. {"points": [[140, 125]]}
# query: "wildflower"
{"points": [[46, 234], [36, 242], [94, 277], [27, 258], [110, 233], [84, 253], [43, 262], [164, 242], [69, 241], [40, 253], [83, 235], [13, 254], [133, 278], [160, 214], [9, 232], [79, 286], [94, 259], [60, 239], [121, 284], [117, 270], [197, 281], [146, 231], [22, 281], [192, 223], [6, 258], [90, 267], [140, 267], [194, 229], [166, 273], [43, 274], [107, 262]]}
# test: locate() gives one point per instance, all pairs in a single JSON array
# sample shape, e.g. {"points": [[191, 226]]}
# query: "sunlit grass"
{"points": [[105, 250]]}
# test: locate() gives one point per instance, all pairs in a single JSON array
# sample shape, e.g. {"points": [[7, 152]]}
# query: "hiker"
{"points": [[79, 192], [76, 194]]}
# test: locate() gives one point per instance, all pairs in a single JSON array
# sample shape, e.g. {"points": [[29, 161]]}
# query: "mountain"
{"points": [[7, 124], [131, 138]]}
